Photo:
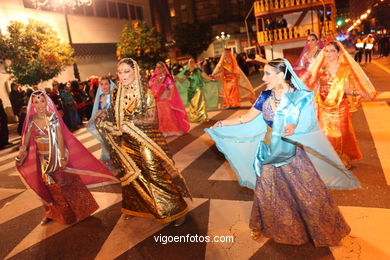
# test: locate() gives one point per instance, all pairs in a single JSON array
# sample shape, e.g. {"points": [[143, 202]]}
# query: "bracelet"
{"points": [[220, 123]]}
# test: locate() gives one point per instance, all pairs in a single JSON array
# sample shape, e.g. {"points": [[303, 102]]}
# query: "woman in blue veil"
{"points": [[278, 149], [102, 102]]}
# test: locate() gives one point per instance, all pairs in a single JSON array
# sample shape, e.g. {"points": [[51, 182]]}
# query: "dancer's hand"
{"points": [[20, 157], [365, 95], [63, 163], [305, 76], [289, 129], [21, 154], [101, 114]]}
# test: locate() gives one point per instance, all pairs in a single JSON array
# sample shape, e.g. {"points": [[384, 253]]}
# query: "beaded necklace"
{"points": [[275, 99]]}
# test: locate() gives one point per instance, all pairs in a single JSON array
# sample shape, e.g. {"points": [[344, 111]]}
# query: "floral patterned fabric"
{"points": [[292, 204]]}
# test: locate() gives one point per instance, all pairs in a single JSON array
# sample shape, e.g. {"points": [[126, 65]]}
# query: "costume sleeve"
{"points": [[261, 99]]}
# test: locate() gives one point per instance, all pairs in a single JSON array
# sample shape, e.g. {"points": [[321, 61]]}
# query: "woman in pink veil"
{"points": [[312, 48], [56, 165], [172, 117]]}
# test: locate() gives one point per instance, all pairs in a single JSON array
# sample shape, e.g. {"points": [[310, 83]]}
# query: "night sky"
{"points": [[340, 4]]}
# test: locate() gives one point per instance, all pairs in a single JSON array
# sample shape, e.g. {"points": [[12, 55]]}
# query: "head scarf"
{"points": [[91, 125], [141, 91], [244, 86], [246, 152], [362, 82], [176, 102], [320, 46], [168, 78], [80, 160]]}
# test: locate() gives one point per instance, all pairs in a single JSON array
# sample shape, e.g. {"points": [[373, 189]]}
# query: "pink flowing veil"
{"points": [[176, 102], [80, 160], [321, 45]]}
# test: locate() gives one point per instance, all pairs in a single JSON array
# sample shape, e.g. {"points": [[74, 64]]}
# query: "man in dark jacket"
{"points": [[3, 127], [18, 101], [16, 96]]}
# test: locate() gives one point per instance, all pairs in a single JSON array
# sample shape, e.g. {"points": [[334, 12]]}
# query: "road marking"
{"points": [[375, 113], [381, 66], [196, 148], [42, 232], [383, 95]]}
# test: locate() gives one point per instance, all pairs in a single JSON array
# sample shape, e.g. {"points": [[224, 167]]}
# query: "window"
{"points": [[88, 10], [123, 14], [172, 12], [132, 12], [140, 13], [101, 8], [113, 12], [28, 4]]}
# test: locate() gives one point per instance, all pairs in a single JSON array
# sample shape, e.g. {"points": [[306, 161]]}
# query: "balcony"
{"points": [[269, 7], [289, 34]]}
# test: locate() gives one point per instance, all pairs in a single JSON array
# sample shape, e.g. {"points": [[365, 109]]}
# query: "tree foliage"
{"points": [[192, 38], [35, 51], [141, 43]]}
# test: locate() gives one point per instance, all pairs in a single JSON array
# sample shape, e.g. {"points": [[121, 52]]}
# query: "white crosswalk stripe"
{"points": [[227, 217]]}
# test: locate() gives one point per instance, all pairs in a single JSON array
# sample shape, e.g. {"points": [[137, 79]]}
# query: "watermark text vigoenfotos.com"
{"points": [[192, 239]]}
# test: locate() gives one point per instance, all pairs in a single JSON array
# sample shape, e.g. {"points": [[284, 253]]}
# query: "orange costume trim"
{"points": [[333, 114], [334, 105], [236, 86]]}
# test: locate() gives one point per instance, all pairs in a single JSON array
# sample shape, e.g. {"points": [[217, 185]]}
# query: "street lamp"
{"points": [[223, 37], [64, 4]]}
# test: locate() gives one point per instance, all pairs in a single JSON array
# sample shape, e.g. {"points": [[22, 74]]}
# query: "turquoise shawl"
{"points": [[91, 123], [244, 148]]}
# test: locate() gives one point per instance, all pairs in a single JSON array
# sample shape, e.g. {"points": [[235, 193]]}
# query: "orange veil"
{"points": [[349, 70], [245, 88]]}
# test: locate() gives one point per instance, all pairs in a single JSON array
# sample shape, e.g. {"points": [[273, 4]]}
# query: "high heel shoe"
{"points": [[178, 222], [46, 221]]}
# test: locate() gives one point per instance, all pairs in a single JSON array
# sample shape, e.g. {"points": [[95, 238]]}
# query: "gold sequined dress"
{"points": [[151, 185]]}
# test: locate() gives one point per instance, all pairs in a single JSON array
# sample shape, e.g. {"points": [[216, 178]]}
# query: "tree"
{"points": [[35, 51], [142, 43], [192, 38]]}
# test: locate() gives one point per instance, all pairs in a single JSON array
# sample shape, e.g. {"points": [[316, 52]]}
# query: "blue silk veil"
{"points": [[91, 123], [244, 148]]}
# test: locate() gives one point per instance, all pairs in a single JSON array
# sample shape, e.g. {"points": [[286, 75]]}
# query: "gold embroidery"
{"points": [[148, 215]]}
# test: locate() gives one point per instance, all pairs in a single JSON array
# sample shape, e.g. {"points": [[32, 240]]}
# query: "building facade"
{"points": [[357, 7], [94, 31], [226, 16], [283, 25]]}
